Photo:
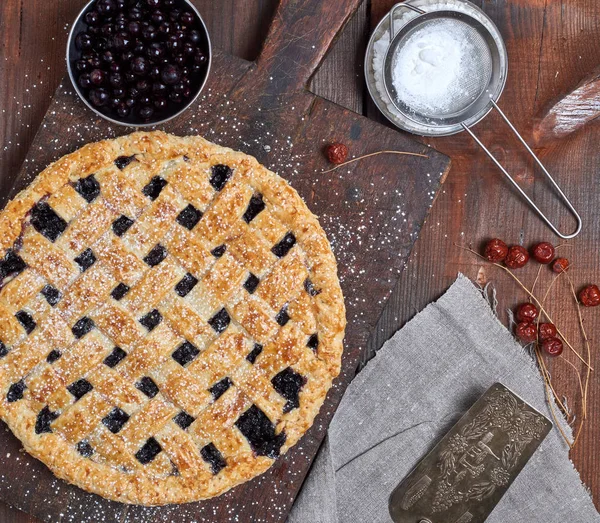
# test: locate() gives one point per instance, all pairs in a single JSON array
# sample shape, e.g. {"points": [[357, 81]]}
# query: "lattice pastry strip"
{"points": [[149, 352], [88, 226], [153, 224], [170, 318], [86, 292], [153, 286], [185, 321], [126, 267], [259, 321], [67, 202], [47, 260], [191, 180], [120, 194], [20, 291], [51, 335]]}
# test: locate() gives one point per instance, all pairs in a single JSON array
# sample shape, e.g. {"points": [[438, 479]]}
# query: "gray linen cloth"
{"points": [[419, 384]]}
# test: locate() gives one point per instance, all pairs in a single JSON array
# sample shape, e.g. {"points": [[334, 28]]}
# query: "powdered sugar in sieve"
{"points": [[441, 67]]}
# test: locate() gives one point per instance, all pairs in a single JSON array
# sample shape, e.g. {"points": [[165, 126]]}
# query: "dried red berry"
{"points": [[560, 265], [590, 296], [527, 312], [547, 330], [517, 257], [337, 153], [526, 331], [495, 250], [552, 346], [543, 252]]}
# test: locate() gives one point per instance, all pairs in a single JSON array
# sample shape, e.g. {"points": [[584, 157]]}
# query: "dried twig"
{"points": [[549, 395], [589, 352], [537, 277], [404, 153]]}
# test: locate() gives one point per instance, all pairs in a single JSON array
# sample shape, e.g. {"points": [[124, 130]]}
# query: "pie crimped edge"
{"points": [[327, 306]]}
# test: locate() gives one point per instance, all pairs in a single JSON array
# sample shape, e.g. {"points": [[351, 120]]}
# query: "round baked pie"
{"points": [[170, 318]]}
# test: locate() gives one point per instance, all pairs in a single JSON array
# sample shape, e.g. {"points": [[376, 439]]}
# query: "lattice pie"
{"points": [[170, 318]]}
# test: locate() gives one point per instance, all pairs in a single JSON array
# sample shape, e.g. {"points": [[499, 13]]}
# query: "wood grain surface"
{"points": [[251, 105], [552, 45]]}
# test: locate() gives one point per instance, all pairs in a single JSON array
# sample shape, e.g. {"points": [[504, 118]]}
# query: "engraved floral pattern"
{"points": [[463, 457], [499, 476]]}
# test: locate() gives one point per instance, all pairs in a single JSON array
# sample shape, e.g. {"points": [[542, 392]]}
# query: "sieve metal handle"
{"points": [[393, 12], [538, 161]]}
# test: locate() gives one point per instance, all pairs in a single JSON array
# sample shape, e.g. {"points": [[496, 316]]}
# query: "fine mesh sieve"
{"points": [[474, 93]]}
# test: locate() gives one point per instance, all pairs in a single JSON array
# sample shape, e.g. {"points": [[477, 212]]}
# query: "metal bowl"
{"points": [[376, 85], [173, 110]]}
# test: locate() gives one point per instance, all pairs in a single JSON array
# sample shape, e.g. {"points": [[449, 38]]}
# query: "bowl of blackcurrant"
{"points": [[138, 62]]}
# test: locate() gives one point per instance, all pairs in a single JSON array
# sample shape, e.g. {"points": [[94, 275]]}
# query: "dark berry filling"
{"points": [[282, 317], [11, 265], [85, 260], [82, 327], [288, 383], [51, 294], [147, 386], [284, 246], [80, 388], [115, 357], [44, 419], [260, 433], [251, 283], [149, 451], [88, 188], [115, 420], [123, 161], [220, 321], [255, 207], [26, 320], [46, 221], [254, 353], [186, 284], [119, 291], [156, 255], [214, 458], [189, 217], [85, 449], [220, 388], [121, 225], [53, 356], [184, 420], [217, 252], [310, 288], [220, 176], [16, 391], [154, 187], [185, 353], [151, 320]]}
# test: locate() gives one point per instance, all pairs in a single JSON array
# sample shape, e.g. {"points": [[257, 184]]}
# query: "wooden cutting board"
{"points": [[371, 210]]}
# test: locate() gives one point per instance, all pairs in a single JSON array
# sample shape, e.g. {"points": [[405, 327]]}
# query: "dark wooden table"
{"points": [[551, 44]]}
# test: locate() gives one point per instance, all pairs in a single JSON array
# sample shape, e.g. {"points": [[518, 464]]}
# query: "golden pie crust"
{"points": [[170, 318]]}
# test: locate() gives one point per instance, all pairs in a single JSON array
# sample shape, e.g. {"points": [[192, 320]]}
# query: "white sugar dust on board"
{"points": [[431, 68]]}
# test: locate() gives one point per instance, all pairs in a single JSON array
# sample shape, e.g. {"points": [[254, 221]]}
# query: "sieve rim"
{"points": [[452, 120]]}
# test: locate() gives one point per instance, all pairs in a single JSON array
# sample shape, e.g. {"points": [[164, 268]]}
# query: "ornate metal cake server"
{"points": [[463, 478]]}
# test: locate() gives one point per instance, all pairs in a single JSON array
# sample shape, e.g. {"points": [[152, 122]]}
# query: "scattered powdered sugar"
{"points": [[349, 235], [430, 68]]}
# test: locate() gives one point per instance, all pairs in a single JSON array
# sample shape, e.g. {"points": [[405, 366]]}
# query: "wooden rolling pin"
{"points": [[571, 112]]}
